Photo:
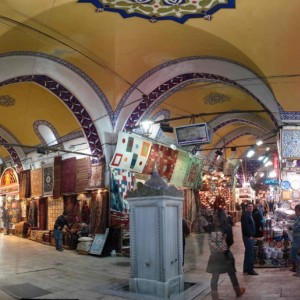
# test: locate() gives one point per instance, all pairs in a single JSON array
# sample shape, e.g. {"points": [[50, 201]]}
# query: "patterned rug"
{"points": [[24, 184], [36, 183], [68, 175], [57, 177], [48, 179], [83, 167]]}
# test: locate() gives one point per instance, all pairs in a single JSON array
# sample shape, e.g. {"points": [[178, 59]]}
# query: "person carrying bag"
{"points": [[221, 259]]}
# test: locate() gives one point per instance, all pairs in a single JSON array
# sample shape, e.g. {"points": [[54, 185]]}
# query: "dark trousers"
{"points": [[249, 255], [215, 279]]}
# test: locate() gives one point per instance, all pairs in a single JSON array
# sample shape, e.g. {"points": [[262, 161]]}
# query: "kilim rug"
{"points": [[83, 169], [42, 207], [179, 173], [165, 159], [48, 179], [36, 183], [68, 175], [125, 180], [131, 153], [57, 177], [96, 178], [99, 212], [25, 184], [69, 206], [193, 174]]}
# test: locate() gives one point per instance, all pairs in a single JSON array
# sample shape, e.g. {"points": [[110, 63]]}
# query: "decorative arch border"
{"points": [[176, 81], [165, 91], [49, 125], [63, 93], [72, 103]]}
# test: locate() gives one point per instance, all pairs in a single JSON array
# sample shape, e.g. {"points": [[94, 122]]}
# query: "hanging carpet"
{"points": [[83, 167], [96, 178], [164, 157], [25, 184], [57, 177], [36, 183], [68, 175], [48, 179]]}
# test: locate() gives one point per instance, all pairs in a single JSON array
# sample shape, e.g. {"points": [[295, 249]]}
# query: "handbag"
{"points": [[217, 241]]}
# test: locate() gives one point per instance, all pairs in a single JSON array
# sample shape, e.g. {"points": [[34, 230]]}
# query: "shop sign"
{"points": [[285, 185], [271, 181]]}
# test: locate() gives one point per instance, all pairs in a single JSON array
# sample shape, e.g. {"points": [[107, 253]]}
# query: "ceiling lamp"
{"points": [[250, 152], [259, 142], [147, 127]]}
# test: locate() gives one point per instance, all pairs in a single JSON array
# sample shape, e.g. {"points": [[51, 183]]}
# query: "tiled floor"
{"points": [[36, 271]]}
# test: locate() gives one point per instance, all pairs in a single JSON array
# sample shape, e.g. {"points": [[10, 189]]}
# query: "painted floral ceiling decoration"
{"points": [[176, 10]]}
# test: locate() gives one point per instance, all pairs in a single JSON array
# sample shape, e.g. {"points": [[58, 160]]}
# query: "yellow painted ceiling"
{"points": [[115, 52]]}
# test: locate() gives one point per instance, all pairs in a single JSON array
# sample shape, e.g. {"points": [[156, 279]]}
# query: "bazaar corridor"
{"points": [[31, 270]]}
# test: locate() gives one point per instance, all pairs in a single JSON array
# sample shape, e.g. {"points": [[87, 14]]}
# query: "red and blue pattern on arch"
{"points": [[153, 10]]}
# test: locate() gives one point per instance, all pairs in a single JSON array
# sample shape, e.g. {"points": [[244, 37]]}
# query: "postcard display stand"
{"points": [[156, 242]]}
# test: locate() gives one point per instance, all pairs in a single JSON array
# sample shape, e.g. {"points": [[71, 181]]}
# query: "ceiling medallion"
{"points": [[6, 100], [216, 98], [154, 10]]}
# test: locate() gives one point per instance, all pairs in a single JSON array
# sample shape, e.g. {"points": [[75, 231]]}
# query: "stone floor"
{"points": [[30, 270]]}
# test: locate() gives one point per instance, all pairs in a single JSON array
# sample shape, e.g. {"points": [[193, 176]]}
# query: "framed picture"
{"points": [[98, 243]]}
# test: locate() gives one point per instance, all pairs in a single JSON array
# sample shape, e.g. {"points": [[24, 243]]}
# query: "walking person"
{"points": [[185, 233], [7, 219], [60, 222], [296, 240], [221, 259], [248, 232]]}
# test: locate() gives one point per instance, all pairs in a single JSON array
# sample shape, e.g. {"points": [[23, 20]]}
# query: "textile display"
{"points": [[42, 208], [179, 173], [48, 179], [57, 177], [125, 180], [36, 183], [165, 159], [117, 202], [83, 167], [55, 209], [32, 213], [193, 174], [96, 176], [68, 175], [24, 184], [290, 143], [131, 153], [69, 206], [99, 212]]}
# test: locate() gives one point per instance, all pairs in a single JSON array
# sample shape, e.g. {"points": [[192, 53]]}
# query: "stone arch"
{"points": [[161, 82], [78, 92]]}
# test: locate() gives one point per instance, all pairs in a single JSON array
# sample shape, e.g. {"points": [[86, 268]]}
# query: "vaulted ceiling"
{"points": [[87, 72]]}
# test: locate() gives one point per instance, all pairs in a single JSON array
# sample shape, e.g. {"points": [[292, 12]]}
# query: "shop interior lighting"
{"points": [[265, 159], [250, 152], [147, 127], [268, 163], [259, 142]]}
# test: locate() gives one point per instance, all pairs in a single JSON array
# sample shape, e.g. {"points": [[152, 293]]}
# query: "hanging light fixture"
{"points": [[250, 152], [147, 127]]}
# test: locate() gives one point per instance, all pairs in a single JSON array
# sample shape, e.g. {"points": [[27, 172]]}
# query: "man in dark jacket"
{"points": [[248, 232], [60, 222]]}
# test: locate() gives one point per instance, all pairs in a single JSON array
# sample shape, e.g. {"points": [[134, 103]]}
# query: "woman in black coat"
{"points": [[221, 259]]}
